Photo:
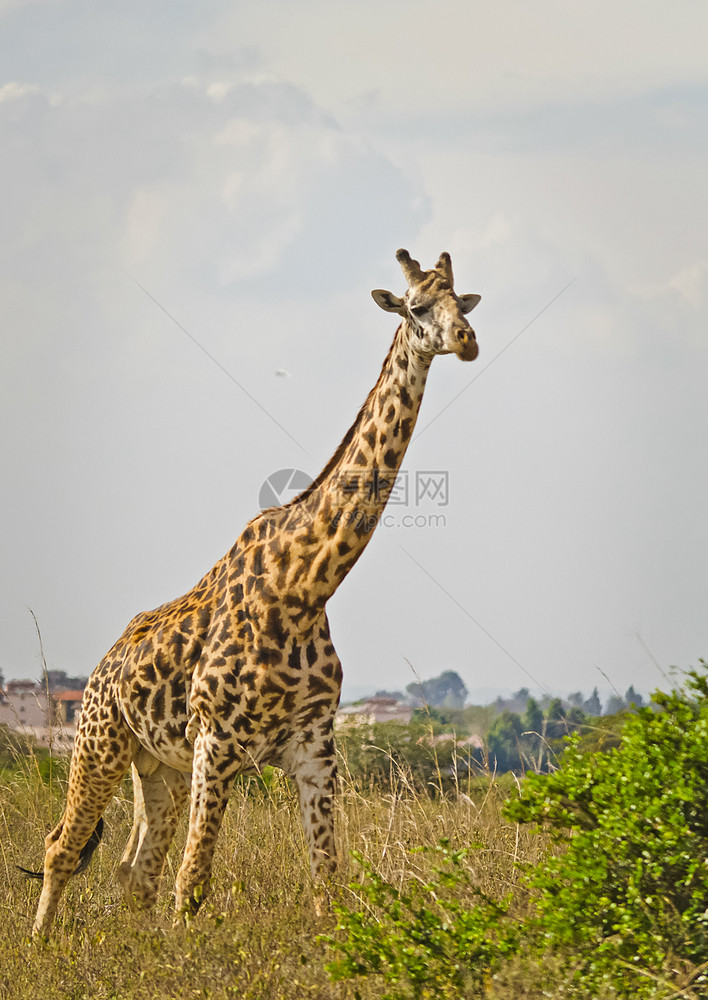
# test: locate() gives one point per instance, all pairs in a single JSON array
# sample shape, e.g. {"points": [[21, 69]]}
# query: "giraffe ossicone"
{"points": [[241, 671]]}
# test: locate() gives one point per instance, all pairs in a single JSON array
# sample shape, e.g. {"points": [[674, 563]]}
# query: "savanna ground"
{"points": [[257, 937]]}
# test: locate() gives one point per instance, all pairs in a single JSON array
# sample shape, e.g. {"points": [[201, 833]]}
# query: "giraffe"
{"points": [[241, 671]]}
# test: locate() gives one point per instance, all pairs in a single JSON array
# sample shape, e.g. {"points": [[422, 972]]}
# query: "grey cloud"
{"points": [[255, 179]]}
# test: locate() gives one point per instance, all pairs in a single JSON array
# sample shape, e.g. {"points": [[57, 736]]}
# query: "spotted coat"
{"points": [[241, 671]]}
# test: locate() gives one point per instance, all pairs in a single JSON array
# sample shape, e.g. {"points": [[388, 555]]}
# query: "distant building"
{"points": [[25, 705], [50, 718], [372, 710], [68, 704]]}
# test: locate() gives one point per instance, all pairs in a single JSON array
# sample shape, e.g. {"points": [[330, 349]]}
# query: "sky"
{"points": [[196, 200]]}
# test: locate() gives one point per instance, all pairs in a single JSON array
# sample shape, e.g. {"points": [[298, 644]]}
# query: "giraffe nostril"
{"points": [[462, 336]]}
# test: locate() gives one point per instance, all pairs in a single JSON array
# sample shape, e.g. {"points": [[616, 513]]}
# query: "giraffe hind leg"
{"points": [[159, 795], [85, 854], [50, 839], [64, 855], [98, 765]]}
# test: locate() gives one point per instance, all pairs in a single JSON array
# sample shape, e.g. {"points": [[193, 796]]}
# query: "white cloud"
{"points": [[689, 286], [146, 215], [242, 177], [14, 91], [465, 55], [692, 283]]}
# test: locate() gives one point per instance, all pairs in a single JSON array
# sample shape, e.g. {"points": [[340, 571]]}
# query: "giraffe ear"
{"points": [[468, 302], [388, 301]]}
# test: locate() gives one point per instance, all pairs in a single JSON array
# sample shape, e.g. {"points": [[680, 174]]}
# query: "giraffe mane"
{"points": [[346, 440]]}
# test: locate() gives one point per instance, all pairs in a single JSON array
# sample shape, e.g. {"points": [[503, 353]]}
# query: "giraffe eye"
{"points": [[419, 310]]}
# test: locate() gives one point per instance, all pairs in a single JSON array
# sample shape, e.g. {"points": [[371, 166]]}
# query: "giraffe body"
{"points": [[241, 671]]}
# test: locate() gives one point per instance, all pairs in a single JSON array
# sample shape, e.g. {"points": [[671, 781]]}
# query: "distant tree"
{"points": [[448, 690], [428, 714], [503, 742], [396, 695], [575, 717], [59, 680], [576, 698], [633, 697], [417, 691], [515, 703], [556, 725], [615, 705], [556, 710], [593, 705], [532, 719], [532, 743]]}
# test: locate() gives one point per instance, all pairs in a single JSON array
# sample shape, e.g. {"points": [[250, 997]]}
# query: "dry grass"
{"points": [[256, 937]]}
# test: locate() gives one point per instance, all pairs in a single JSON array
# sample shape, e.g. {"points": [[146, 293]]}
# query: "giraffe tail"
{"points": [[84, 858]]}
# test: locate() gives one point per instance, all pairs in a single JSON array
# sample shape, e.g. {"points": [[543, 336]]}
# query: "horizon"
{"points": [[351, 695]]}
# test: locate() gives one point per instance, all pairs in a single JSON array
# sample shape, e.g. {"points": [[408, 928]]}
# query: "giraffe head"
{"points": [[435, 314]]}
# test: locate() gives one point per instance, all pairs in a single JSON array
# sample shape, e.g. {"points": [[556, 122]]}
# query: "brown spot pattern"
{"points": [[240, 671]]}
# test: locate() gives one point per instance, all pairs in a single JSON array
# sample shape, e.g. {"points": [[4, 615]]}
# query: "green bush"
{"points": [[617, 907], [425, 940], [626, 894]]}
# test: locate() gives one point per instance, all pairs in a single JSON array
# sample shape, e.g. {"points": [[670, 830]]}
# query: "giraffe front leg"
{"points": [[316, 777], [210, 795]]}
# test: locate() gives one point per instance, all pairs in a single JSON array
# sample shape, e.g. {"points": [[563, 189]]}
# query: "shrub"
{"points": [[626, 894], [424, 940]]}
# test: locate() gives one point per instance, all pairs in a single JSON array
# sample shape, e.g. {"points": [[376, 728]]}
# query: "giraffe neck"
{"points": [[334, 519]]}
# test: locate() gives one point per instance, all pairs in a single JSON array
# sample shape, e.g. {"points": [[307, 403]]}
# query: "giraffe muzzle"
{"points": [[468, 348]]}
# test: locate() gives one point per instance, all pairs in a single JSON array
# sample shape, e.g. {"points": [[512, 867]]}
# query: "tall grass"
{"points": [[256, 937]]}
